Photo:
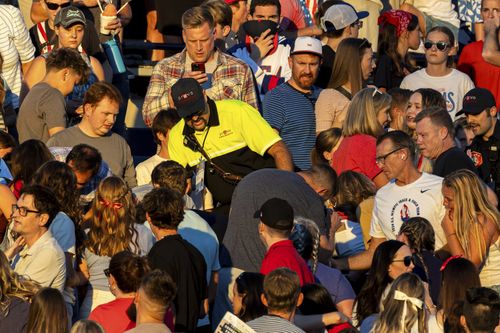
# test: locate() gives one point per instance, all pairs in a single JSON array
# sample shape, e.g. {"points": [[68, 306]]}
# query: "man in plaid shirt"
{"points": [[222, 76]]}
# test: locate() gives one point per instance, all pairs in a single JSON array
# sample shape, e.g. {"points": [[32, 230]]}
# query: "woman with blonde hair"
{"points": [[403, 309], [15, 296], [112, 229], [472, 224], [366, 117], [353, 65]]}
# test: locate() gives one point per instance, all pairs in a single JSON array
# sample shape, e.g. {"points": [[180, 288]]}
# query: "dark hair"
{"points": [[322, 8], [388, 45], [65, 57], [101, 90], [170, 174], [220, 10], [458, 269], [281, 290], [48, 312], [400, 140], [165, 207], [481, 309], [325, 141], [400, 97], [44, 200], [452, 321], [317, 300], [7, 141], [264, 3], [159, 288], [420, 234], [431, 97], [451, 39], [128, 269], [84, 158], [164, 121], [27, 158], [59, 177], [354, 187], [368, 299], [439, 117], [251, 286]]}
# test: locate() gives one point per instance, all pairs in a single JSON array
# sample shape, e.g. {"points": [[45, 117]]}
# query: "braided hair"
{"points": [[305, 237]]}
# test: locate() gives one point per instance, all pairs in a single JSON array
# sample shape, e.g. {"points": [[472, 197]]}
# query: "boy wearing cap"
{"points": [[481, 112], [340, 21], [275, 226], [266, 53], [289, 108]]}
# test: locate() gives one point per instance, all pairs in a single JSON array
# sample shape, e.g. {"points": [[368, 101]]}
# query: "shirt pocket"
{"points": [[231, 89]]}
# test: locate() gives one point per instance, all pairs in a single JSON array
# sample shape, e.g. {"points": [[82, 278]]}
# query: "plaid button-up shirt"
{"points": [[232, 79]]}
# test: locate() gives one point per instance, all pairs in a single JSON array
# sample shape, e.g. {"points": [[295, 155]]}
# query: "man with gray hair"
{"points": [[221, 76]]}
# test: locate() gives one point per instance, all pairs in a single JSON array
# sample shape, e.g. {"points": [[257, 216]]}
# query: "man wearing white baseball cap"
{"points": [[289, 108], [340, 21]]}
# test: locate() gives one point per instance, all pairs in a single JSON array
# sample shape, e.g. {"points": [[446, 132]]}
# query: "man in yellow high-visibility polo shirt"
{"points": [[230, 137]]}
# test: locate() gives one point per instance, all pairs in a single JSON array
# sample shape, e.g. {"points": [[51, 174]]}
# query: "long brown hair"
{"points": [[13, 285], [347, 64], [112, 223], [48, 313]]}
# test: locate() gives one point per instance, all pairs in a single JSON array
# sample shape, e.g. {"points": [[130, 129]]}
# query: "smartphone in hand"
{"points": [[198, 67]]}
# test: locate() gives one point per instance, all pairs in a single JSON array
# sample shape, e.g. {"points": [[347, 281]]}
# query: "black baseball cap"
{"points": [[188, 97], [68, 16], [476, 101], [277, 214]]}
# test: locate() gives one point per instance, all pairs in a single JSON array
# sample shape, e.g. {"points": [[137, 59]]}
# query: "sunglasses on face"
{"points": [[55, 6], [407, 261], [441, 46]]}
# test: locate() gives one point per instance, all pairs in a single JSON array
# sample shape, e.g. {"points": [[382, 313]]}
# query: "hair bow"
{"points": [[111, 204], [401, 296], [397, 18]]}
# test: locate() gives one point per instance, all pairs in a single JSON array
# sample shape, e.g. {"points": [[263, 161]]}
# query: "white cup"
{"points": [[105, 20]]}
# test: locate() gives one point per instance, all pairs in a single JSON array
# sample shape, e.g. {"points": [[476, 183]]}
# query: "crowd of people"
{"points": [[310, 176]]}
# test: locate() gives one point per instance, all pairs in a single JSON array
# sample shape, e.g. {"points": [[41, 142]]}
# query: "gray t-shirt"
{"points": [[242, 247], [113, 148], [42, 109]]}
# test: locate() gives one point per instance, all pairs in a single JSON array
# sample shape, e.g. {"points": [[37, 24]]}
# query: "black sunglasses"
{"points": [[441, 46], [55, 6], [106, 272], [407, 261]]}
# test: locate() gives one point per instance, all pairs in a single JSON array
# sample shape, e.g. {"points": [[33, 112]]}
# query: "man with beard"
{"points": [[226, 139], [481, 112], [289, 108]]}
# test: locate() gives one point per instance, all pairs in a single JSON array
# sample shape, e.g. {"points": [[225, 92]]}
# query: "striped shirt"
{"points": [[291, 113], [15, 45], [273, 324]]}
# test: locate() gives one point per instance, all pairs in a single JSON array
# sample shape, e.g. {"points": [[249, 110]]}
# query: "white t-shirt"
{"points": [[440, 9], [453, 86], [395, 204], [144, 169]]}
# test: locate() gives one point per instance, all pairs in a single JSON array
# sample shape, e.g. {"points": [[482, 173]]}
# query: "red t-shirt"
{"points": [[113, 315], [356, 153], [483, 74], [284, 254], [293, 16]]}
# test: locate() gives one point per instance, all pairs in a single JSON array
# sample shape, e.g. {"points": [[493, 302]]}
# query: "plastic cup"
{"points": [[105, 20]]}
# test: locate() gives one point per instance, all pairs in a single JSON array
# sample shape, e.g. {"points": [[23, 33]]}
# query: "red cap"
{"points": [[230, 2]]}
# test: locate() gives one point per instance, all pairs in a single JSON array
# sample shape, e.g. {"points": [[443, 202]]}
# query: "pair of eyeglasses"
{"points": [[23, 211], [381, 159], [358, 24], [106, 272], [56, 6], [441, 46], [407, 261]]}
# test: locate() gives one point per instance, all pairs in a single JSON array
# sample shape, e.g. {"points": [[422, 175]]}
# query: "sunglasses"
{"points": [[407, 261], [55, 6], [106, 272], [441, 46]]}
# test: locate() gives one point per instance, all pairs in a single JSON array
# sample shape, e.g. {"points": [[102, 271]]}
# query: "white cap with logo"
{"points": [[340, 16], [307, 45]]}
